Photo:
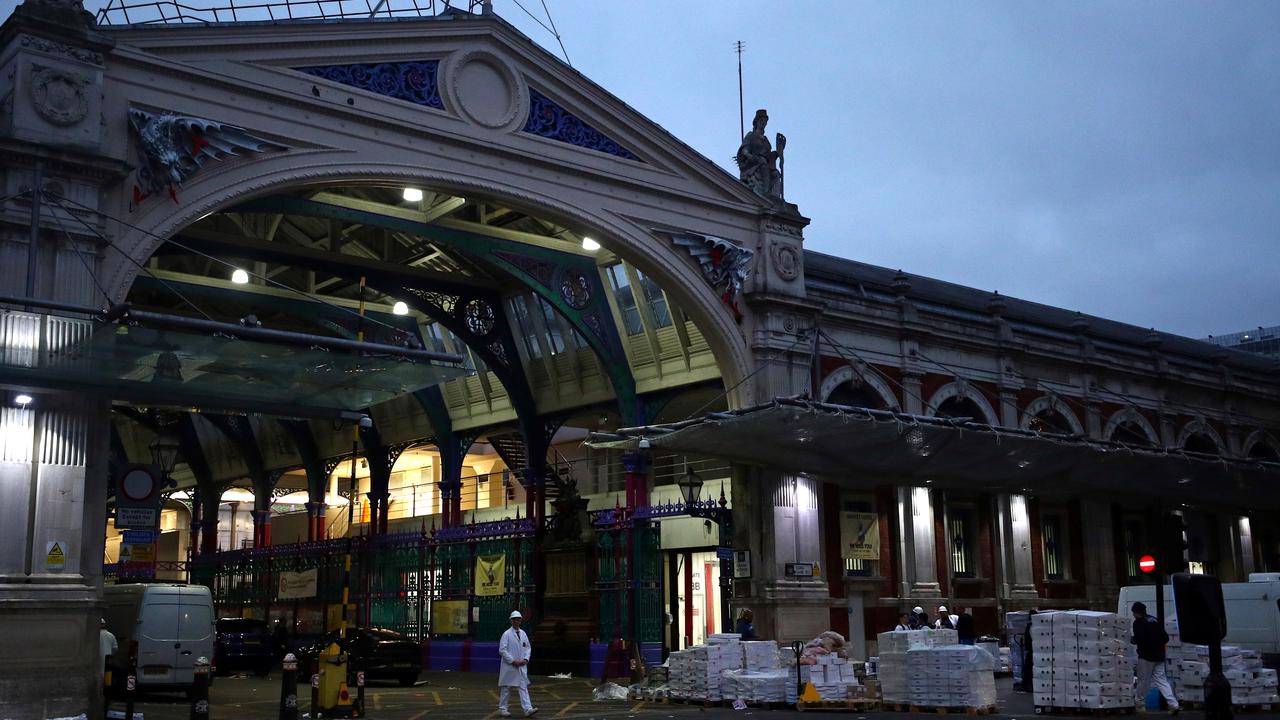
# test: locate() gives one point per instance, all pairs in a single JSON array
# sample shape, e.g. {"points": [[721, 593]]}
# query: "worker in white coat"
{"points": [[515, 650]]}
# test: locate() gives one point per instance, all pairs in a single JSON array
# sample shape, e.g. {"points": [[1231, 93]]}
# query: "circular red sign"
{"points": [[1146, 563]]}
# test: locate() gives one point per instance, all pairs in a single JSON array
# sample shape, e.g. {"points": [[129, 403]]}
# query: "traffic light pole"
{"points": [[1159, 577]]}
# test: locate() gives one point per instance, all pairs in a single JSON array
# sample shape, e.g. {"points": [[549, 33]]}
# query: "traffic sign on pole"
{"points": [[1147, 564]]}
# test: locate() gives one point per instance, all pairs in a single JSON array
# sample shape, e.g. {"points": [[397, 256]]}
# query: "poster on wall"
{"points": [[491, 575], [860, 535], [449, 617], [297, 585]]}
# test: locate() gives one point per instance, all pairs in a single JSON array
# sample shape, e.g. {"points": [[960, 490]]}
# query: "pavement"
{"points": [[474, 696]]}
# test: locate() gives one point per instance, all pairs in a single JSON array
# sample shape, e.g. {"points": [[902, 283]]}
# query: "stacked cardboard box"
{"points": [[760, 655], [1187, 667], [1081, 660], [951, 676], [891, 663], [768, 686], [696, 671]]}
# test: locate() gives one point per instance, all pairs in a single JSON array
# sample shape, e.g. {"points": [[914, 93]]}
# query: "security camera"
{"points": [[366, 422], [644, 443]]}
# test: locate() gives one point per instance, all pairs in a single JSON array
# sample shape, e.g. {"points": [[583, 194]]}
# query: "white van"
{"points": [[1253, 610], [172, 624]]}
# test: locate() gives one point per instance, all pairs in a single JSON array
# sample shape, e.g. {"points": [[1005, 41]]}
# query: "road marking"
{"points": [[637, 706], [554, 694], [566, 709], [435, 694], [491, 715], [419, 715], [494, 693]]}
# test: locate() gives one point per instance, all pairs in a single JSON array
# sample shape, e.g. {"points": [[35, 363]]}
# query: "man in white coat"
{"points": [[515, 651]]}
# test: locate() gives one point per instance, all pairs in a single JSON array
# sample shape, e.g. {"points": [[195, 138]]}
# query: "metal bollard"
{"points": [[131, 681], [358, 708], [315, 688], [289, 688], [200, 690]]}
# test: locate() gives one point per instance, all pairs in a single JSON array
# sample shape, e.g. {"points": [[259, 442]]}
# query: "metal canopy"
{"points": [[170, 367], [860, 446]]}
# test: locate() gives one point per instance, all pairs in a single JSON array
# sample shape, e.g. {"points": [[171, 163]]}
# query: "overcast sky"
{"points": [[1117, 158]]}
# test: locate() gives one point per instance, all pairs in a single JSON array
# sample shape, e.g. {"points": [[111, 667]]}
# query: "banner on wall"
{"points": [[449, 617], [491, 575], [860, 534], [297, 585]]}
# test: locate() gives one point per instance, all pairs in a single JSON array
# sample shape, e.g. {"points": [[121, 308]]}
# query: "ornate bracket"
{"points": [[173, 148], [724, 265]]}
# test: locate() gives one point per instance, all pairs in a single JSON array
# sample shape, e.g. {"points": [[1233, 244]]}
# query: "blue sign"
{"points": [[724, 553], [139, 537]]}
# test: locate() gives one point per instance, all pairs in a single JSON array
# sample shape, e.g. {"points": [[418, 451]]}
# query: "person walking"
{"points": [[515, 651], [904, 622], [1150, 637], [964, 627], [107, 647], [746, 628], [944, 621]]}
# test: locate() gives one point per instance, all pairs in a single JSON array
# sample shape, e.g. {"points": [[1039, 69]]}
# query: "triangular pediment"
{"points": [[475, 79]]}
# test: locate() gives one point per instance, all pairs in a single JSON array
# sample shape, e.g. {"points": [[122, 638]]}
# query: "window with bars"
{"points": [[962, 537], [656, 299], [1133, 537], [1055, 551]]}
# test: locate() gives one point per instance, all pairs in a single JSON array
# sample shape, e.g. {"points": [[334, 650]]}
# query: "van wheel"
{"points": [[408, 680]]}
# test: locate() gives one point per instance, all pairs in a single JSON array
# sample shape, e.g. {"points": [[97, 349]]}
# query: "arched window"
{"points": [[857, 395], [1264, 451], [1051, 421], [1130, 433], [959, 406], [1201, 443]]}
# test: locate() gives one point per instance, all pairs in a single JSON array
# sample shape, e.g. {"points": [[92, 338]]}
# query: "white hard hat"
{"points": [[515, 614], [942, 608], [917, 609]]}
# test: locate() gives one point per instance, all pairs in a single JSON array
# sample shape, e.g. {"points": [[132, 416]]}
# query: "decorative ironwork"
{"points": [[497, 528], [549, 120], [444, 301], [480, 317], [413, 82], [541, 271], [172, 148], [723, 263], [575, 289]]}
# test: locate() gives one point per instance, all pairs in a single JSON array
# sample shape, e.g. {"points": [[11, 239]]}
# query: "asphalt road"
{"points": [[473, 696]]}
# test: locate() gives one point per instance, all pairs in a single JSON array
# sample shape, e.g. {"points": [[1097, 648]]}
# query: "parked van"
{"points": [[1253, 610], [173, 625]]}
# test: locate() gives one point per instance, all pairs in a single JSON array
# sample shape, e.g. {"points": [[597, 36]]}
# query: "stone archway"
{"points": [[1049, 403], [963, 390], [1130, 418], [223, 186], [1198, 428], [873, 381], [1261, 445]]}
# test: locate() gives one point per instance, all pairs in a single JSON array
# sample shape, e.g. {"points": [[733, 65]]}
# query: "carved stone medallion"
{"points": [[59, 96], [787, 261]]}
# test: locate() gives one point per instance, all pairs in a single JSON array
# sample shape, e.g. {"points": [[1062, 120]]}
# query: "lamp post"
{"points": [[164, 453], [690, 490]]}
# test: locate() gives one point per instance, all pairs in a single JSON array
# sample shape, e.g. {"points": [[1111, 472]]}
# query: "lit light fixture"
{"points": [[412, 194], [400, 308], [240, 277], [590, 245], [23, 399], [690, 486]]}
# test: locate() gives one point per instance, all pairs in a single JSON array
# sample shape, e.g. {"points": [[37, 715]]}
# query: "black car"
{"points": [[381, 654], [244, 644]]}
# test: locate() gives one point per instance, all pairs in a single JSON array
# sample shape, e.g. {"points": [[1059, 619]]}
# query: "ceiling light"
{"points": [[240, 277], [400, 308], [412, 194], [590, 245], [23, 399]]}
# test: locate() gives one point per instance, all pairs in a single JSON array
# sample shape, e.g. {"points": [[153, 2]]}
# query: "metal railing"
{"points": [[173, 12]]}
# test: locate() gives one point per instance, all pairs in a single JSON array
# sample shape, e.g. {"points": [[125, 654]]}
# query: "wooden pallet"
{"points": [[941, 710], [857, 705], [759, 704], [1047, 710], [1243, 708], [688, 701]]}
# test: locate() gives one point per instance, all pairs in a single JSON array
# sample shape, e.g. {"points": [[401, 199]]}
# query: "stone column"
{"points": [[1244, 534], [1097, 525], [919, 557], [1015, 550]]}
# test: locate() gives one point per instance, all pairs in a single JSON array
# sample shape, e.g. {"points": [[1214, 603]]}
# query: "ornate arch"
{"points": [[846, 373], [1260, 437], [1049, 402], [960, 388], [217, 188], [1200, 427], [1132, 416]]}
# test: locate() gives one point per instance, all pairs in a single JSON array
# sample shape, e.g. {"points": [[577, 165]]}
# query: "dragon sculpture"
{"points": [[723, 263], [172, 148]]}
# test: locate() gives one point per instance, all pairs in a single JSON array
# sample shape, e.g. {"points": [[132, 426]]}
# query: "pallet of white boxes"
{"points": [[755, 672], [1081, 659], [1187, 666], [928, 669]]}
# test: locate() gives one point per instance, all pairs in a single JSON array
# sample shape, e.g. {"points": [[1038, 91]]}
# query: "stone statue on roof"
{"points": [[758, 161]]}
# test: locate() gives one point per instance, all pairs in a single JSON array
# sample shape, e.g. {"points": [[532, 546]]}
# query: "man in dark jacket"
{"points": [[1150, 637]]}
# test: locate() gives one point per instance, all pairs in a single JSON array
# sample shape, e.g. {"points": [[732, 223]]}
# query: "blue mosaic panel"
{"points": [[549, 120], [413, 82]]}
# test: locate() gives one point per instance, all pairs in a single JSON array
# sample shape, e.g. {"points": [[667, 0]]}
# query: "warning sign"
{"points": [[55, 556], [491, 575]]}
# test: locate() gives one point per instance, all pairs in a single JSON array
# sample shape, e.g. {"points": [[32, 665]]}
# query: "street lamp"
{"points": [[690, 487], [164, 453]]}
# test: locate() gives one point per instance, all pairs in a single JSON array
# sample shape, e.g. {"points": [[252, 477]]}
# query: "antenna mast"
{"points": [[742, 129]]}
